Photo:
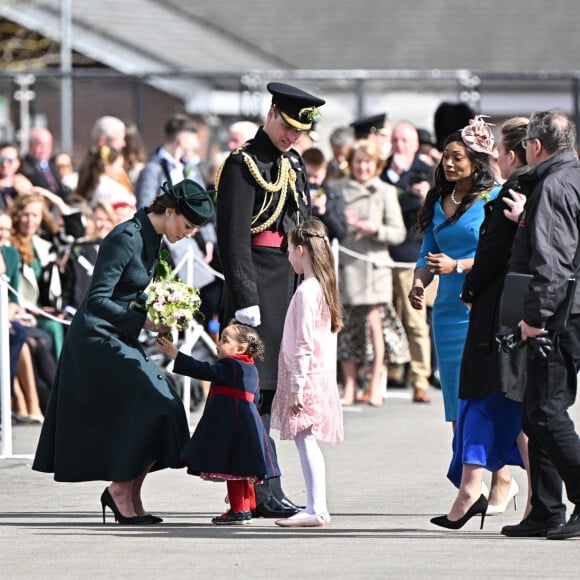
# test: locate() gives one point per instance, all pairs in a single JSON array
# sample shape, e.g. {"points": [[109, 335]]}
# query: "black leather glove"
{"points": [[541, 346], [510, 340]]}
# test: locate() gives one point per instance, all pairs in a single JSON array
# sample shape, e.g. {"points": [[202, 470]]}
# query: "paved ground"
{"points": [[384, 484]]}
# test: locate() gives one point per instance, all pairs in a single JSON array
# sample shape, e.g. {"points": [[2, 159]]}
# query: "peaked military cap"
{"points": [[425, 137], [298, 108], [365, 126]]}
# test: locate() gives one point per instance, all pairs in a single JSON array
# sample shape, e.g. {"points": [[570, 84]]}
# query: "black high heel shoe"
{"points": [[479, 507], [108, 501]]}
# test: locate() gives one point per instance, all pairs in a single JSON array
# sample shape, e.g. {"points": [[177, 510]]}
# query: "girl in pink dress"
{"points": [[307, 406]]}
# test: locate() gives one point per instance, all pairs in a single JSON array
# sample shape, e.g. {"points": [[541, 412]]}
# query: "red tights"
{"points": [[241, 494]]}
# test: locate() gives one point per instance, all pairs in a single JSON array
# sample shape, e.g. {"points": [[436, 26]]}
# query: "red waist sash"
{"points": [[269, 239], [228, 392]]}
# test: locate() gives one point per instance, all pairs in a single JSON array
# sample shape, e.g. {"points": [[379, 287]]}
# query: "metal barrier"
{"points": [[193, 334], [5, 397], [196, 330], [5, 386]]}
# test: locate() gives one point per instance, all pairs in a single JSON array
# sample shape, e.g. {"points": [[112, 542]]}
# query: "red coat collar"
{"points": [[246, 358]]}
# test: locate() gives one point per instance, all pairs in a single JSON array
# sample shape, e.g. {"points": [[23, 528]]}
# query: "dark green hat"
{"points": [[192, 200]]}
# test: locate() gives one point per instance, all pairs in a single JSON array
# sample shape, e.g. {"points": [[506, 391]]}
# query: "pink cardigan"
{"points": [[308, 346], [307, 365]]}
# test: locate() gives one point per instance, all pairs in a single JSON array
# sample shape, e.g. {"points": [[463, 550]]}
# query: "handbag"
{"points": [[511, 308]]}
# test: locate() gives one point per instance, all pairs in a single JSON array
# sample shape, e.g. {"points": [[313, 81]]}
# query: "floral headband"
{"points": [[478, 136]]}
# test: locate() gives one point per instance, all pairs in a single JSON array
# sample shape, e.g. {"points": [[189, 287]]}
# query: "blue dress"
{"points": [[450, 315], [486, 435]]}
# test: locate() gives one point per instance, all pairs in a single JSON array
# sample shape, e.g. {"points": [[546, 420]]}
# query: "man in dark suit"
{"points": [[37, 164], [262, 192], [547, 246]]}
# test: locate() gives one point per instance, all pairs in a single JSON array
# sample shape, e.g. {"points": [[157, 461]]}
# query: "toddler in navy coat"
{"points": [[229, 443]]}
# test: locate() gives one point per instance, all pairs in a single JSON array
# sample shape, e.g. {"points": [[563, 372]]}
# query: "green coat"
{"points": [[111, 412], [12, 261]]}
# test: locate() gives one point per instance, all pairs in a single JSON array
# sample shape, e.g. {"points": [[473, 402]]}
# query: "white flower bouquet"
{"points": [[170, 302]]}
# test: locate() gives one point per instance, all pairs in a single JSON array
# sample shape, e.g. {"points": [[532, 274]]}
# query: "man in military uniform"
{"points": [[262, 193]]}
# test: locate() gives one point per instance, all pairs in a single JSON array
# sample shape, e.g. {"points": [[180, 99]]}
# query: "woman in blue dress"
{"points": [[488, 434], [450, 220]]}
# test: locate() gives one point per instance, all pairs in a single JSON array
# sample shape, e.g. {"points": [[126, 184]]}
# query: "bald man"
{"points": [[240, 132]]}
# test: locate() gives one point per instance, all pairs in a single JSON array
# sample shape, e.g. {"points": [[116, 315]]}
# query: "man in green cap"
{"points": [[263, 192]]}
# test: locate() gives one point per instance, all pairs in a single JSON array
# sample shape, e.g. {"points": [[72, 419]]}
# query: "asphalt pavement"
{"points": [[384, 484]]}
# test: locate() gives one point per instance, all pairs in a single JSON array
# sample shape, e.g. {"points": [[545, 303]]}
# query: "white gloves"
{"points": [[249, 315]]}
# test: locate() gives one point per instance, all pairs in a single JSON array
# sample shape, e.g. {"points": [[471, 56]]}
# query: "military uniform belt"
{"points": [[269, 239]]}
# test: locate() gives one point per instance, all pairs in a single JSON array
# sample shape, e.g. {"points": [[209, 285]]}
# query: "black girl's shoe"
{"points": [[231, 518], [479, 507], [108, 501]]}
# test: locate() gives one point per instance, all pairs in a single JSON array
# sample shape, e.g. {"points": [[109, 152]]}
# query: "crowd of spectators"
{"points": [[391, 210], [59, 213]]}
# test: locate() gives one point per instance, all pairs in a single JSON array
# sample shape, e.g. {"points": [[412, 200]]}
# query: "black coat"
{"points": [[78, 272], [485, 369], [419, 171], [409, 250], [30, 169], [257, 275], [547, 244], [334, 217]]}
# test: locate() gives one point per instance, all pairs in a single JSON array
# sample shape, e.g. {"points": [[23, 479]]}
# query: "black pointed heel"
{"points": [[479, 507], [108, 501]]}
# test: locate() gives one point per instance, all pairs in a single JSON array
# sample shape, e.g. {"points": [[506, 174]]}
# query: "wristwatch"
{"points": [[458, 267]]}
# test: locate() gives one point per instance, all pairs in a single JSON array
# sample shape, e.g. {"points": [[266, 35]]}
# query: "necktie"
{"points": [[52, 184]]}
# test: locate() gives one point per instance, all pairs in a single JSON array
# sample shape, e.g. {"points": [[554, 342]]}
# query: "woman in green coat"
{"points": [[112, 415]]}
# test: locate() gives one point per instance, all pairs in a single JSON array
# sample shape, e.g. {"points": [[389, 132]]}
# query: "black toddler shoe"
{"points": [[272, 508]]}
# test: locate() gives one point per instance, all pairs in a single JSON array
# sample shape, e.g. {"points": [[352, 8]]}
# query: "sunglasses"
{"points": [[7, 160]]}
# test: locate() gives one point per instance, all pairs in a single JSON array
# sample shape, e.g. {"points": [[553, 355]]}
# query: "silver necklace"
{"points": [[453, 200]]}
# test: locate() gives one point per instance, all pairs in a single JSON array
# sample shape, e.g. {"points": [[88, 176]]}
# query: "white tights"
{"points": [[314, 471]]}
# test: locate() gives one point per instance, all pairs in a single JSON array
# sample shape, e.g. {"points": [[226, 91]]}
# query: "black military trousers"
{"points": [[554, 445], [269, 487]]}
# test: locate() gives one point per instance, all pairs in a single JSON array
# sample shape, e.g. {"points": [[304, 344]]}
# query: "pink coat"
{"points": [[307, 364]]}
